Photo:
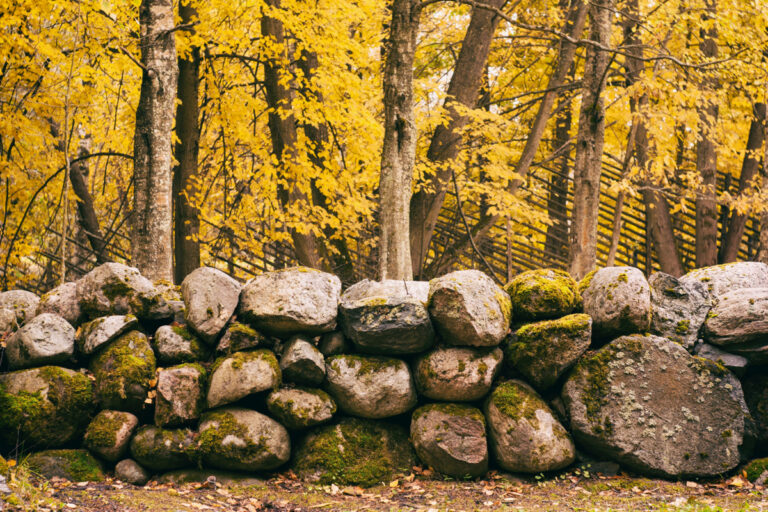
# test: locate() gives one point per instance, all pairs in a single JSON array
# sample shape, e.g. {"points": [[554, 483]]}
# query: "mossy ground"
{"points": [[756, 468]]}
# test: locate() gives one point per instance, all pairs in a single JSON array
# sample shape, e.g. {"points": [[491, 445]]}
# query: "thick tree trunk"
{"points": [[589, 146], [399, 147], [152, 248], [729, 248], [187, 215], [463, 89], [706, 159], [283, 133]]}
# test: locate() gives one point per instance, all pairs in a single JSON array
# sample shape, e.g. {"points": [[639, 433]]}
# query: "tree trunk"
{"points": [[283, 134], [87, 220], [187, 215], [706, 158], [399, 147], [556, 242], [729, 249], [589, 146], [151, 244], [463, 89]]}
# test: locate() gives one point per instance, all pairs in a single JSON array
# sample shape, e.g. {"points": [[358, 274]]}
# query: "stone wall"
{"points": [[114, 373]]}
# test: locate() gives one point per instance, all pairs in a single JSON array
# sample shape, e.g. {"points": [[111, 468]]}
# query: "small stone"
{"points": [[180, 396], [62, 301], [163, 449], [736, 364], [97, 333], [46, 339], [109, 434], [211, 298], [334, 343], [73, 465], [456, 374], [174, 344], [541, 294], [679, 308], [131, 472], [298, 408], [388, 317], [23, 304], [302, 363], [451, 439], [619, 301], [242, 374], [238, 337]]}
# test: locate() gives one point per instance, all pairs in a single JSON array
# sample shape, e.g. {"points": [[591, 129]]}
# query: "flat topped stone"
{"points": [[97, 333], [457, 374], [242, 374], [46, 339], [210, 299], [728, 277], [738, 323]]}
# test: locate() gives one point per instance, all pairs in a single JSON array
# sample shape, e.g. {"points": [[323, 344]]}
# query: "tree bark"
{"points": [[399, 147], [444, 147], [187, 215], [556, 242], [589, 146], [729, 249], [706, 157], [151, 243], [87, 220]]}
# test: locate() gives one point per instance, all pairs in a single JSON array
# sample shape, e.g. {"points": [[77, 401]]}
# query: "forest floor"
{"points": [[418, 491]]}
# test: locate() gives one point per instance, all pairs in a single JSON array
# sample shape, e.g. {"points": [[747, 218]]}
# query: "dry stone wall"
{"points": [[116, 374]]}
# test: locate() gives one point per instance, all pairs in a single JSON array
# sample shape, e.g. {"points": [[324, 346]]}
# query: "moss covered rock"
{"points": [[46, 339], [543, 351], [123, 371], [619, 301], [540, 294], [302, 363], [43, 407], [74, 465], [451, 439], [757, 470], [233, 438], [210, 299], [109, 434], [62, 301], [174, 344], [370, 386], [97, 333], [164, 449], [238, 337], [180, 395], [524, 435], [130, 471], [354, 452], [457, 374], [468, 308], [298, 408], [242, 374]]}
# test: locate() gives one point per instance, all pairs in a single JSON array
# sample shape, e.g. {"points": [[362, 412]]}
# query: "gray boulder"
{"points": [[210, 298], [290, 301], [468, 308], [22, 303], [451, 439], [619, 301], [131, 472], [523, 433], [298, 408], [109, 434], [543, 351], [97, 333], [8, 321], [388, 317], [117, 289], [238, 337], [240, 439], [46, 339], [370, 387], [334, 343], [163, 449], [456, 374], [73, 465], [62, 301], [242, 374], [729, 277], [174, 344], [679, 308], [756, 396], [180, 395], [738, 323], [736, 364], [302, 363], [646, 403], [543, 293]]}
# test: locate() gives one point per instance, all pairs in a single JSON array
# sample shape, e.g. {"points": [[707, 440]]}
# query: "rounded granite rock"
{"points": [[299, 408], [619, 301], [109, 434], [242, 374], [455, 374], [46, 339], [541, 294], [210, 299]]}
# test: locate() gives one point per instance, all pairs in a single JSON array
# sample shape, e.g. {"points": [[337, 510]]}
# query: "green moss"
{"points": [[182, 331], [211, 439], [622, 278], [77, 465], [374, 301], [116, 289], [517, 402], [239, 358], [756, 468], [295, 417], [594, 368], [123, 370], [102, 431], [364, 364], [542, 293], [464, 411], [4, 468], [567, 325], [682, 327]]}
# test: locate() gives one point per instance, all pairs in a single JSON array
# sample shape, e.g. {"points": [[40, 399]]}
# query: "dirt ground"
{"points": [[417, 491]]}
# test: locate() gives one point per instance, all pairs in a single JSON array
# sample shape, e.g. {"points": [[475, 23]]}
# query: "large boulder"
{"points": [[240, 439], [543, 351], [97, 333], [679, 308], [163, 449], [123, 372], [370, 387], [298, 408], [290, 301], [619, 301], [180, 395], [62, 301], [756, 395], [73, 465], [387, 317], [541, 294], [174, 344], [354, 452], [46, 339], [456, 374], [729, 277], [44, 407], [738, 323], [22, 303], [210, 299], [302, 362], [117, 289], [238, 337], [242, 374], [451, 439], [524, 434], [109, 434], [648, 404], [468, 308]]}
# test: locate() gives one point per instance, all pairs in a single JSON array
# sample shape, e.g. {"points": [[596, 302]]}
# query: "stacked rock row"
{"points": [[114, 371]]}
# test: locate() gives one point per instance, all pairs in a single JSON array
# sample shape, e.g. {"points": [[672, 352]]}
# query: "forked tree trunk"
{"points": [[399, 147], [151, 243]]}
